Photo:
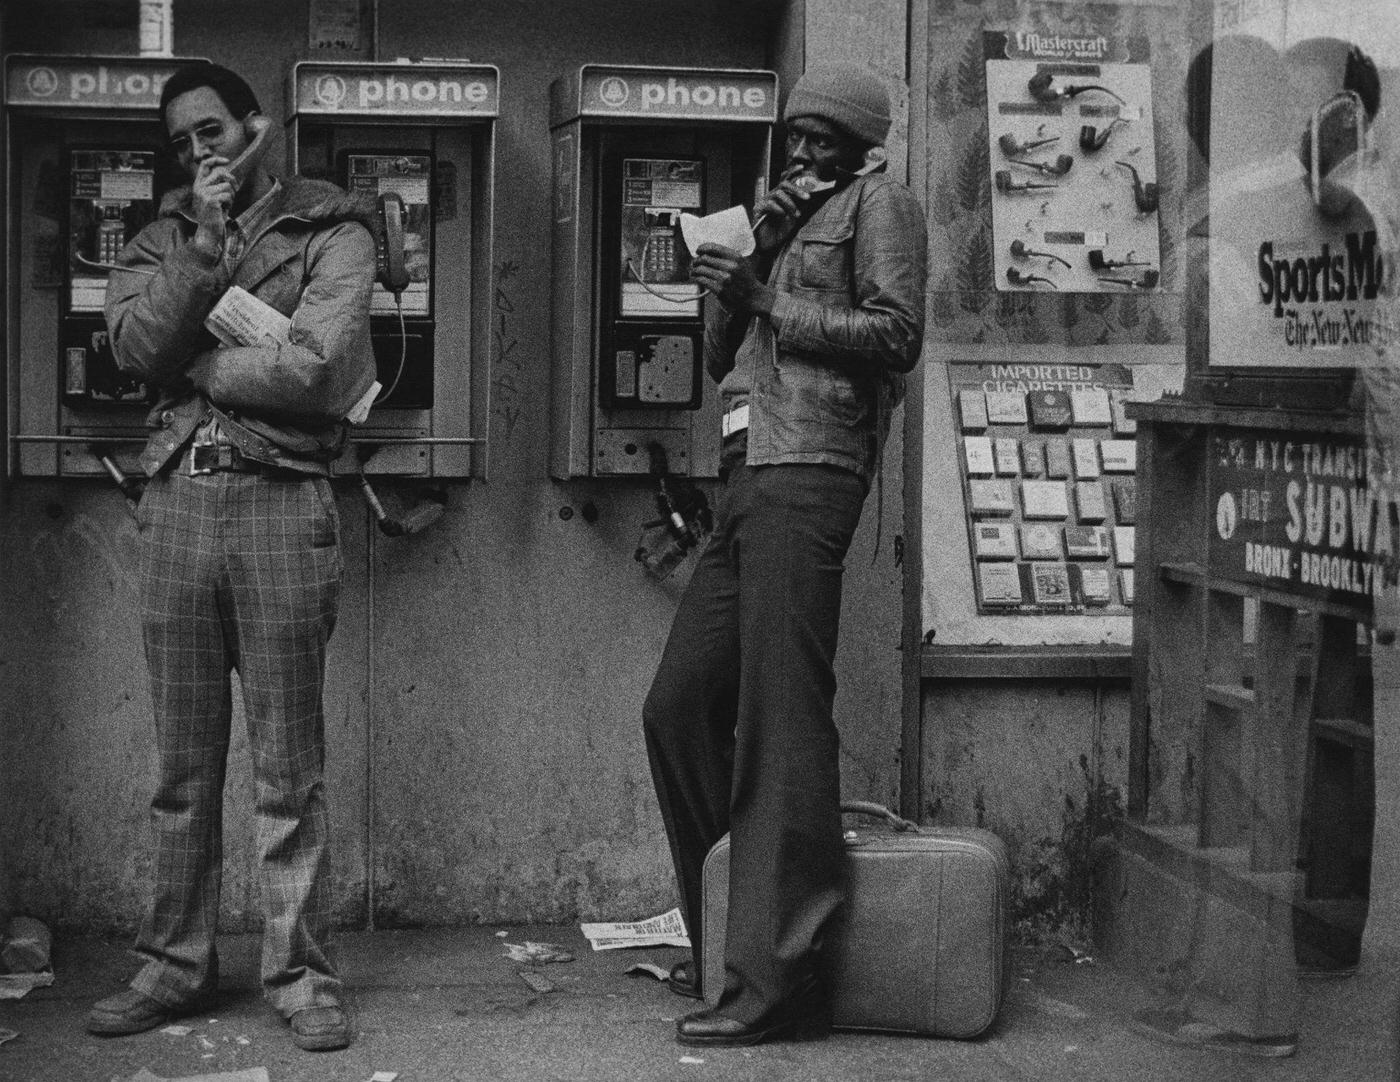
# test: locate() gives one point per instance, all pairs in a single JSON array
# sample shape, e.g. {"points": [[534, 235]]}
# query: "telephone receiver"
{"points": [[875, 159], [390, 268], [259, 129]]}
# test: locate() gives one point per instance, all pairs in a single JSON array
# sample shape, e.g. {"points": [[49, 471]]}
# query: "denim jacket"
{"points": [[283, 405], [828, 365]]}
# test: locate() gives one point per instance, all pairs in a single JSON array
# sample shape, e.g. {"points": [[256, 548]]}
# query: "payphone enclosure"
{"points": [[85, 171], [420, 139], [634, 148]]}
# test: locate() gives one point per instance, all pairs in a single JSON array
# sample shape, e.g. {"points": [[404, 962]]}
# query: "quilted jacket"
{"points": [[313, 261]]}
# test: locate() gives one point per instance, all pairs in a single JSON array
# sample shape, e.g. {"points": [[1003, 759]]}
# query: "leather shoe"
{"points": [[131, 1012], [320, 1029], [709, 1027], [683, 980]]}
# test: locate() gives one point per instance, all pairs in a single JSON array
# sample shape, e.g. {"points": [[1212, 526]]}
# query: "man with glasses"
{"points": [[810, 341], [240, 559]]}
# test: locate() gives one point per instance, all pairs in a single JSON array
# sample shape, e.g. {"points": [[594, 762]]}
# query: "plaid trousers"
{"points": [[239, 571]]}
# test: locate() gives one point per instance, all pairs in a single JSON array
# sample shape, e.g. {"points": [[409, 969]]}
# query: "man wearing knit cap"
{"points": [[809, 341]]}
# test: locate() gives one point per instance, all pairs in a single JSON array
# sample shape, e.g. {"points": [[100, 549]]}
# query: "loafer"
{"points": [[131, 1012], [320, 1029], [710, 1028], [684, 980]]}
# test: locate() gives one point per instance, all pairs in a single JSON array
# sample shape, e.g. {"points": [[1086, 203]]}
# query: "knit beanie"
{"points": [[851, 97]]}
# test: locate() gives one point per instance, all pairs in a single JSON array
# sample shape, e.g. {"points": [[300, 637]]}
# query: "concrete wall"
{"points": [[1041, 763], [486, 678]]}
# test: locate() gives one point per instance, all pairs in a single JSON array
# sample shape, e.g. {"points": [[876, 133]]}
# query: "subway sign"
{"points": [[407, 91], [87, 82], [677, 93]]}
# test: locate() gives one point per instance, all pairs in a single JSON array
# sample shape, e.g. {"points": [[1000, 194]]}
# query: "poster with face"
{"points": [[1293, 108]]}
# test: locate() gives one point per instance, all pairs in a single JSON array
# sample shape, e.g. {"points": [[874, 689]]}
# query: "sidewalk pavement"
{"points": [[444, 1005]]}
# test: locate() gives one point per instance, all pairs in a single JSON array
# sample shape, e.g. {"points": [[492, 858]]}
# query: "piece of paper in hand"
{"points": [[728, 227], [240, 319], [360, 410]]}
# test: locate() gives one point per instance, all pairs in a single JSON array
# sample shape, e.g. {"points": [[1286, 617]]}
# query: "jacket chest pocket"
{"points": [[826, 258]]}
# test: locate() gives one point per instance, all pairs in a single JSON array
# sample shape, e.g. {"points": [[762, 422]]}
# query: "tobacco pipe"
{"points": [[1017, 277], [1014, 148], [1006, 184], [1042, 88], [1058, 168], [1099, 263], [1020, 251], [1148, 279], [1144, 195], [1091, 139]]}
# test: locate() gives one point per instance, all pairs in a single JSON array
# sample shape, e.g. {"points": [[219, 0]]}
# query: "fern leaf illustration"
{"points": [[944, 100], [1157, 333], [973, 186], [972, 72], [1098, 303], [976, 270], [1128, 315], [941, 209]]}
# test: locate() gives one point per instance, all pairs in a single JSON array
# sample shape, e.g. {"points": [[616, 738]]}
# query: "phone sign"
{"points": [[86, 82], [406, 90], [679, 93]]}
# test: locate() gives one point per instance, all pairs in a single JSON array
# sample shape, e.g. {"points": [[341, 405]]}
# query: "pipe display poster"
{"points": [[1307, 516], [1073, 163], [1300, 246]]}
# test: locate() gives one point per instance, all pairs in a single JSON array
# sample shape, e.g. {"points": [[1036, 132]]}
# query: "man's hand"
{"points": [[213, 192], [730, 277], [778, 213]]}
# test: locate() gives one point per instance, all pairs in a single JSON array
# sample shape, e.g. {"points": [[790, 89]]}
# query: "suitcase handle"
{"points": [[879, 811]]}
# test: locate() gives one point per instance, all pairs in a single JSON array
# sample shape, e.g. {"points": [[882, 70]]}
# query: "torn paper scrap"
{"points": [[19, 985], [537, 953], [728, 227], [537, 981], [661, 973], [665, 930]]}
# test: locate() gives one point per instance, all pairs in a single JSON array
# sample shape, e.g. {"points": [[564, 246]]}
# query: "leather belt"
{"points": [[204, 458], [736, 420]]}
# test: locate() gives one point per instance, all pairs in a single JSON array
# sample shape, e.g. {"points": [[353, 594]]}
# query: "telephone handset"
{"points": [[259, 128], [875, 159], [390, 267]]}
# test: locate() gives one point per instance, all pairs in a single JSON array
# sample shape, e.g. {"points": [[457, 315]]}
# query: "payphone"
{"points": [[417, 139], [635, 149], [86, 171]]}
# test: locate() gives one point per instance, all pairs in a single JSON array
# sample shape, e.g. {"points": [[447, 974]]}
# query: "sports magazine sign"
{"points": [[1302, 206], [1311, 516]]}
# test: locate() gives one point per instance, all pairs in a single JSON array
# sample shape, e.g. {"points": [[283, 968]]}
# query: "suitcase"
{"points": [[920, 945]]}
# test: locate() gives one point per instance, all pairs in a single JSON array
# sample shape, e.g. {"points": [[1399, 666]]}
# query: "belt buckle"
{"points": [[206, 458]]}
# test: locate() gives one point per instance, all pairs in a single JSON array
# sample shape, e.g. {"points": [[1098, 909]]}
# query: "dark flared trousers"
{"points": [[739, 725]]}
